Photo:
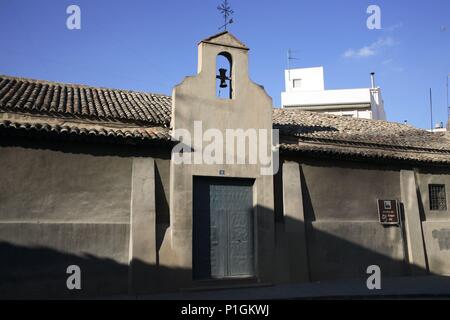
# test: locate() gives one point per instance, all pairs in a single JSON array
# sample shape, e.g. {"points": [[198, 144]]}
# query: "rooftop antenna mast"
{"points": [[448, 105], [289, 59], [431, 111], [227, 12]]}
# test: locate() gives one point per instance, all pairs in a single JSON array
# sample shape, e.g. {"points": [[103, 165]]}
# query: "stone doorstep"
{"points": [[224, 284]]}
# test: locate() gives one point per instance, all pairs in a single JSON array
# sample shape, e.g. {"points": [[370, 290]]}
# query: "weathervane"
{"points": [[226, 11]]}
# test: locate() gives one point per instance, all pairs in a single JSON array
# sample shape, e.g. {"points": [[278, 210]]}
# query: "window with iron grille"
{"points": [[438, 198]]}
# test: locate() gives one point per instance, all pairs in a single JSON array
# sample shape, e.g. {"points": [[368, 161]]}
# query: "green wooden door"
{"points": [[223, 244]]}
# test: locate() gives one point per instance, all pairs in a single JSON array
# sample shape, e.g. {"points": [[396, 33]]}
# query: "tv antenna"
{"points": [[227, 12], [290, 58], [431, 111]]}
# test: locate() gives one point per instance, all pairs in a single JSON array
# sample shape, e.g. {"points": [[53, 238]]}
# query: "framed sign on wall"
{"points": [[388, 212]]}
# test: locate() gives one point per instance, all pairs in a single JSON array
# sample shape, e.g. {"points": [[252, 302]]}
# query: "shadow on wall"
{"points": [[37, 272], [101, 147], [333, 251], [340, 245]]}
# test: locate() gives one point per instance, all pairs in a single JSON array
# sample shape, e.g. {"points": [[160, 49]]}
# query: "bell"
{"points": [[222, 77]]}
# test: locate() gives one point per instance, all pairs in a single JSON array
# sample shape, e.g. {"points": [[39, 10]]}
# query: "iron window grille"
{"points": [[438, 197]]}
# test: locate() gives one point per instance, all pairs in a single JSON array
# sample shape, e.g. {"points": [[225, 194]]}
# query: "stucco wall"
{"points": [[64, 203], [435, 224], [53, 186], [338, 249], [343, 232], [437, 176], [437, 243], [353, 188], [63, 206]]}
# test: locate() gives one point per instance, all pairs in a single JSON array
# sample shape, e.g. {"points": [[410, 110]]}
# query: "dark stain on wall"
{"points": [[443, 238]]}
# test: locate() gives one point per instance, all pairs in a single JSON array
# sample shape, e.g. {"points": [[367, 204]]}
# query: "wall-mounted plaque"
{"points": [[388, 212]]}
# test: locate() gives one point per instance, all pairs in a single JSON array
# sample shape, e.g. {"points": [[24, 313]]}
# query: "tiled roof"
{"points": [[41, 106], [304, 131], [84, 102]]}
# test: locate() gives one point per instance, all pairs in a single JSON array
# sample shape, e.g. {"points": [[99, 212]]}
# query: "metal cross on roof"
{"points": [[226, 11]]}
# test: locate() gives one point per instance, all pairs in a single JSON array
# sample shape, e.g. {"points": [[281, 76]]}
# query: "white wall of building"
{"points": [[305, 79], [305, 88], [307, 98]]}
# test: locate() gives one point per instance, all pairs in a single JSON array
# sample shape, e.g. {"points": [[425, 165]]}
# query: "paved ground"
{"points": [[405, 287]]}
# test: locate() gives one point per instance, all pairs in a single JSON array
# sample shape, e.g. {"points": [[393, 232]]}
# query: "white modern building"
{"points": [[305, 89]]}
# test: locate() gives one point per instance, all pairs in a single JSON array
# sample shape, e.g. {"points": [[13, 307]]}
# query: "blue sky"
{"points": [[150, 45]]}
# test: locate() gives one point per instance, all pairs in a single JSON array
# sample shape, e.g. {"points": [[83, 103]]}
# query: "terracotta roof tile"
{"points": [[323, 127], [303, 131], [84, 110], [58, 99]]}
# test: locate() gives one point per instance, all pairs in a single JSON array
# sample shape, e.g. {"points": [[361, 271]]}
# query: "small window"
{"points": [[438, 198], [297, 83]]}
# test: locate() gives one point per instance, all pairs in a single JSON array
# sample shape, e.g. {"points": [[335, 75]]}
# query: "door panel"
{"points": [[223, 228], [241, 243]]}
